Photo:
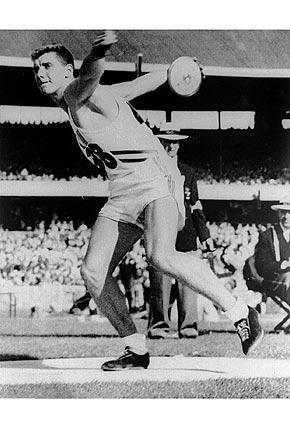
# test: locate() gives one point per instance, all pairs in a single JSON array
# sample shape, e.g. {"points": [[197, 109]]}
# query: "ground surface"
{"points": [[38, 341]]}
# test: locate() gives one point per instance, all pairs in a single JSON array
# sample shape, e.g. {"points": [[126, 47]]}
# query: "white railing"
{"points": [[88, 188]]}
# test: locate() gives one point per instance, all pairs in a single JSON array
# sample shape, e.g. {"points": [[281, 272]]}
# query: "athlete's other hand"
{"points": [[104, 41]]}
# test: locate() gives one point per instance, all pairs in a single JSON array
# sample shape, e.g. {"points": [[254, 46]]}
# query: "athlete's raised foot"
{"points": [[128, 360], [250, 331]]}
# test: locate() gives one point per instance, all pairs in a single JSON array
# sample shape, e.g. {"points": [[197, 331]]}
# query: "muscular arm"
{"points": [[93, 66], [142, 85], [91, 72]]}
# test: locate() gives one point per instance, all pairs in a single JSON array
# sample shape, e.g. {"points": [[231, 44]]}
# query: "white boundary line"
{"points": [[178, 368]]}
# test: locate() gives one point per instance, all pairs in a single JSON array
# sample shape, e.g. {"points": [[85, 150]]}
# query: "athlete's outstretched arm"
{"points": [[93, 65], [142, 85]]}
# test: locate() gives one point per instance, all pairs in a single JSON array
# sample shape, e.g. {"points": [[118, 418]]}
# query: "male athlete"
{"points": [[146, 192]]}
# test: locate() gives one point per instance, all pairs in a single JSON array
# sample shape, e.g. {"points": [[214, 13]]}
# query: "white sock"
{"points": [[238, 311], [136, 342]]}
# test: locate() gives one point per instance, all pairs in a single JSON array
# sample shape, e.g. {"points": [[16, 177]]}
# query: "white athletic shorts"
{"points": [[155, 178]]}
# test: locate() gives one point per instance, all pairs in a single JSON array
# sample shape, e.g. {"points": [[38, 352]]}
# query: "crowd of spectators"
{"points": [[234, 173], [48, 175], [244, 175], [53, 255]]}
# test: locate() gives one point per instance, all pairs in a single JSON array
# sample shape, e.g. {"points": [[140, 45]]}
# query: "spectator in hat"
{"points": [[164, 290], [270, 266]]}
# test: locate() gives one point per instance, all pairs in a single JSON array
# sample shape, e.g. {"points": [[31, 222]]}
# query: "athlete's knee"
{"points": [[93, 278], [160, 259]]}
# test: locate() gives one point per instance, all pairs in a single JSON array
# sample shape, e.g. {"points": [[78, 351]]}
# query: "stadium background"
{"points": [[243, 166]]}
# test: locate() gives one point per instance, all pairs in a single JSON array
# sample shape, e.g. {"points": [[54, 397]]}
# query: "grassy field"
{"points": [[219, 389], [66, 336]]}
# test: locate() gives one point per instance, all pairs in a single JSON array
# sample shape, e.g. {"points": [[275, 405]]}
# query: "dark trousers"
{"points": [[162, 296]]}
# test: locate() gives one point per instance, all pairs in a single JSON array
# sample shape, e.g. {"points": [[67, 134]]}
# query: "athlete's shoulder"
{"points": [[113, 92], [72, 91], [102, 100]]}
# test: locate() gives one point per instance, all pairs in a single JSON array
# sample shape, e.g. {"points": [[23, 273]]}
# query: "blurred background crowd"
{"points": [[268, 173], [53, 255]]}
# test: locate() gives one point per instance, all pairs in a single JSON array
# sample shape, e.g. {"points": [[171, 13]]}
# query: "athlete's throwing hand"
{"points": [[103, 43]]}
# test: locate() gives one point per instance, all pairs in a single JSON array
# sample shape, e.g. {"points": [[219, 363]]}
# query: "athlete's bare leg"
{"points": [[161, 218], [109, 243]]}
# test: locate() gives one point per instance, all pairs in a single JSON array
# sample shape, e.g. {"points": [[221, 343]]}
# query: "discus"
{"points": [[185, 76]]}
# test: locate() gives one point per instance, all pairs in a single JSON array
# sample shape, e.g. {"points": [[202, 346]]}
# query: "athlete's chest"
{"points": [[89, 118]]}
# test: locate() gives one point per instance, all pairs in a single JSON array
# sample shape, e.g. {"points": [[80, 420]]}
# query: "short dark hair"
{"points": [[61, 51]]}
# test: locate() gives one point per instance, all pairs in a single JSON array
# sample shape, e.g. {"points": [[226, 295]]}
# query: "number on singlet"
{"points": [[101, 159], [106, 157]]}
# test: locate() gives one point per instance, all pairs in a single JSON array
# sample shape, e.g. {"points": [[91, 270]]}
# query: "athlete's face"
{"points": [[51, 75], [171, 147], [284, 217]]}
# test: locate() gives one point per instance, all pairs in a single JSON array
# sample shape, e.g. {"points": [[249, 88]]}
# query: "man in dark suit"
{"points": [[272, 255], [164, 290]]}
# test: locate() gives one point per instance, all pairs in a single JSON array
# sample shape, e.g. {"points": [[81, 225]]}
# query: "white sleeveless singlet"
{"points": [[135, 162]]}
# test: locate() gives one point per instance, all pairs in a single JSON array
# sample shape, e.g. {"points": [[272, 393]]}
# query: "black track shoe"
{"points": [[249, 331], [127, 361]]}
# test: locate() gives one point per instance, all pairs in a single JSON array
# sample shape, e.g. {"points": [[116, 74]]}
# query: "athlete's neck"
{"points": [[58, 96], [62, 104]]}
